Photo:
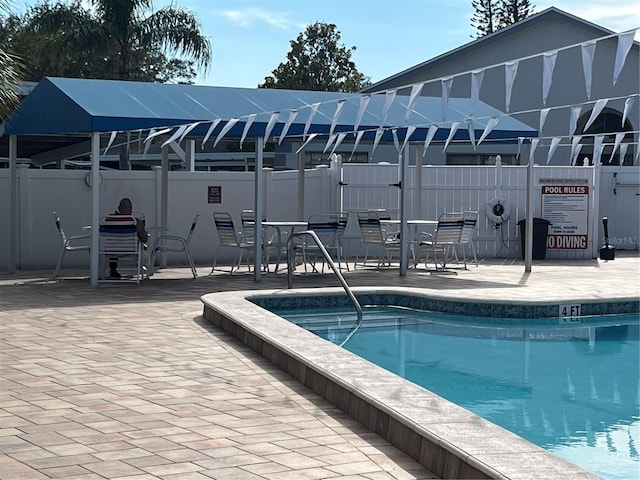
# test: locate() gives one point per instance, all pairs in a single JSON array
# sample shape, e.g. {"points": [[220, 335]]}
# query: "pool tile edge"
{"points": [[350, 382]]}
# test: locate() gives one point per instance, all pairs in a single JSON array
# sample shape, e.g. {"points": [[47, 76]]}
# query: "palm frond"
{"points": [[178, 31], [10, 76]]}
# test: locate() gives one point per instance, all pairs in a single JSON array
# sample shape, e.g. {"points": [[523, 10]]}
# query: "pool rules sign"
{"points": [[565, 203]]}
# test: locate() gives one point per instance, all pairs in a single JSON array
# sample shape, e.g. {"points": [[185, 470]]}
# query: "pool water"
{"points": [[569, 386]]}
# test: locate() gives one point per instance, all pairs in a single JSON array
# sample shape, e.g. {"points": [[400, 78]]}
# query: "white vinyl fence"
{"points": [[358, 187], [438, 189]]}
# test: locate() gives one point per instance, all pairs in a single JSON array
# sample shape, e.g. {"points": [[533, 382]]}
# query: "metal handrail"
{"points": [[327, 257]]}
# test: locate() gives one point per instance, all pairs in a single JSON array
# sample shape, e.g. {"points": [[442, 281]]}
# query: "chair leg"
{"points": [[473, 250], [139, 272], [435, 256], [238, 258], [215, 260], [60, 259], [152, 262], [191, 264]]}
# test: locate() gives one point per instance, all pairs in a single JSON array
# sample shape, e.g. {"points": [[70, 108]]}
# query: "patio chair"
{"points": [[466, 240], [74, 243], [228, 237], [118, 238], [444, 241], [174, 243], [269, 245], [326, 228], [373, 235], [343, 220], [390, 232]]}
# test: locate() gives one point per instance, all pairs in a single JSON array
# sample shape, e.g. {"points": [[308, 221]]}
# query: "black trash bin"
{"points": [[540, 230]]}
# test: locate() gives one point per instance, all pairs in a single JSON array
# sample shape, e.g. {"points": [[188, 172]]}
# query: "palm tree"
{"points": [[10, 75], [121, 26]]}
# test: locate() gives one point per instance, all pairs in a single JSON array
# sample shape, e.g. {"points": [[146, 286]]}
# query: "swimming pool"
{"points": [[447, 439], [568, 385]]}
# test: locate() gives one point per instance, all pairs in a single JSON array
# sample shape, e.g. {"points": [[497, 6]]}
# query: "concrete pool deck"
{"points": [[130, 382]]}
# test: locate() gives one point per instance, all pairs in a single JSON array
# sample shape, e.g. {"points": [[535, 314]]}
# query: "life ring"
{"points": [[87, 179], [498, 210]]}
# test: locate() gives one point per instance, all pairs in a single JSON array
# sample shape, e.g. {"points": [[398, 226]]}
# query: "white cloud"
{"points": [[250, 17]]}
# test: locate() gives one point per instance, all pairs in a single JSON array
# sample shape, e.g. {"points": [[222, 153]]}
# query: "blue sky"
{"points": [[251, 37]]}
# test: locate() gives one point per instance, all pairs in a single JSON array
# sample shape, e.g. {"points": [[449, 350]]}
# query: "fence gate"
{"points": [[367, 186]]}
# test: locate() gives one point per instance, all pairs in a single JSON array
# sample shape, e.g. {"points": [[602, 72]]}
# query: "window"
{"points": [[608, 122]]}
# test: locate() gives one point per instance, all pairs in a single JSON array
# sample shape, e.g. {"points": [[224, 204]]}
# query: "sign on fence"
{"points": [[565, 203], [214, 194]]}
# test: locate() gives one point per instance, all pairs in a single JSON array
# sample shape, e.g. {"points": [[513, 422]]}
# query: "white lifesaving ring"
{"points": [[498, 210], [87, 179]]}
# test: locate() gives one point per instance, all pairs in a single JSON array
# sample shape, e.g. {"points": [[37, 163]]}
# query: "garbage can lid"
{"points": [[535, 220]]}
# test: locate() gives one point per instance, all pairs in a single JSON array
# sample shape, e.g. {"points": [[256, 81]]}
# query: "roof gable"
{"points": [[544, 31]]}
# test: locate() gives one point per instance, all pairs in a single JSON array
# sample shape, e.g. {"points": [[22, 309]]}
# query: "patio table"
{"points": [[291, 225], [414, 225]]}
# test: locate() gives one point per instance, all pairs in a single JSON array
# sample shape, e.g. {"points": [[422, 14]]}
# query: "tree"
{"points": [[112, 39], [317, 61], [484, 16], [10, 73], [492, 15], [512, 11]]}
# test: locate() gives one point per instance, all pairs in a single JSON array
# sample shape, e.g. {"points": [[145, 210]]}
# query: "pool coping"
{"points": [[445, 438]]}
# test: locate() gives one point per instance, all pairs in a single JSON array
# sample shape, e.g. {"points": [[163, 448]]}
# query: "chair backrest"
{"points": [[193, 227], [470, 221], [370, 228], [343, 220], [226, 229], [59, 227], [118, 234], [449, 229], [248, 219], [382, 213], [325, 227]]}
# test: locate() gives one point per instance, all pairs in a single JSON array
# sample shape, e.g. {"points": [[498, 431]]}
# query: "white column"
{"points": [[164, 187], [419, 152], [593, 222], [163, 214], [23, 192], [404, 231], [301, 185], [94, 264], [258, 209], [13, 202], [191, 155], [528, 251]]}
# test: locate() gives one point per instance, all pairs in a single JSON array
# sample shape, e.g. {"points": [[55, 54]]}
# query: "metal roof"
{"points": [[76, 106]]}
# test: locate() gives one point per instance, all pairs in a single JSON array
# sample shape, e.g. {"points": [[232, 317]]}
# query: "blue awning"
{"points": [[59, 106]]}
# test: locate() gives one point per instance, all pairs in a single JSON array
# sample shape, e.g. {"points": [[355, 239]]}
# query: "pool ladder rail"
{"points": [[331, 263]]}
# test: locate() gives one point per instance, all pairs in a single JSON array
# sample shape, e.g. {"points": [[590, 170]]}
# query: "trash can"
{"points": [[540, 229]]}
